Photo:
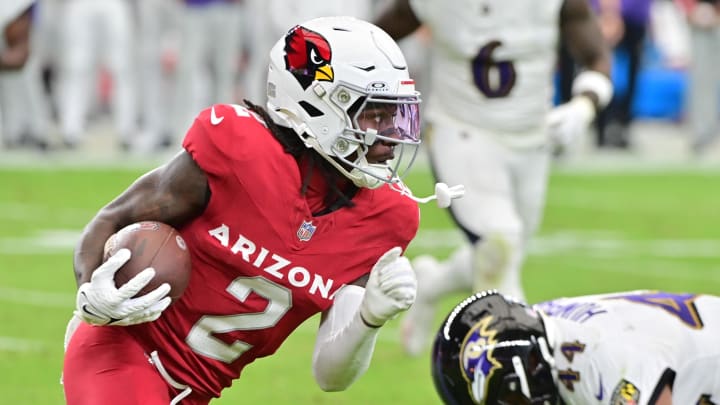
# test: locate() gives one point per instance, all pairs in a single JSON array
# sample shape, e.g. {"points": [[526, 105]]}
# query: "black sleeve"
{"points": [[666, 379]]}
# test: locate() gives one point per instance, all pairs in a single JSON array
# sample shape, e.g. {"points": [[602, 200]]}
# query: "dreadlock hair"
{"points": [[336, 197]]}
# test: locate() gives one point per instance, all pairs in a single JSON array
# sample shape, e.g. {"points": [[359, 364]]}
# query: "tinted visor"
{"points": [[396, 120]]}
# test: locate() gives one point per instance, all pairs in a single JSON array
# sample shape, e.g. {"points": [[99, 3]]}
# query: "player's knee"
{"points": [[493, 256], [428, 274], [436, 279]]}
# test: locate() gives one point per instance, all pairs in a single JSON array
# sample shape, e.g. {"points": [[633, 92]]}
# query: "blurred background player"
{"points": [[15, 21], [624, 24], [96, 34], [626, 33], [704, 75], [288, 211], [270, 19], [22, 114], [157, 51], [490, 127], [208, 59], [636, 347]]}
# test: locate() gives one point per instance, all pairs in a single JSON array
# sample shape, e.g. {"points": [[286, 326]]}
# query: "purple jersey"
{"points": [[635, 11], [203, 3]]}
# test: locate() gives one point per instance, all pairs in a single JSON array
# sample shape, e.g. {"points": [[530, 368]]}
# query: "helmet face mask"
{"points": [[325, 78], [393, 121], [527, 378], [493, 350]]}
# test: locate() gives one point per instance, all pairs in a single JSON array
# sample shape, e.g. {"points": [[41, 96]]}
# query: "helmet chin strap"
{"points": [[363, 179], [287, 119], [369, 177], [443, 194], [359, 177]]}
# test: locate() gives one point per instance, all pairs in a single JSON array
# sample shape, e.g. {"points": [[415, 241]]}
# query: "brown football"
{"points": [[153, 244]]}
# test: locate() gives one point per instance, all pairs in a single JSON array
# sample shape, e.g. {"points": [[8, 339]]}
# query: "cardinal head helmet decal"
{"points": [[343, 86], [308, 56]]}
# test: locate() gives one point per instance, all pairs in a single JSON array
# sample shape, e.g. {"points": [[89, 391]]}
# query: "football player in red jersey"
{"points": [[288, 211]]}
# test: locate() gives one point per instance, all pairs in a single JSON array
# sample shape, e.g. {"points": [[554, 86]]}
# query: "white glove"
{"points": [[390, 289], [99, 302], [568, 121]]}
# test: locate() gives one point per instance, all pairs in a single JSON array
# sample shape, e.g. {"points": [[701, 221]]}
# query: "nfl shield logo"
{"points": [[306, 230]]}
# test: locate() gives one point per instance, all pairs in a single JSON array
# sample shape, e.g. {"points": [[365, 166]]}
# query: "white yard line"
{"points": [[709, 277], [20, 212], [37, 297], [11, 344], [593, 243], [606, 245], [618, 246], [48, 241]]}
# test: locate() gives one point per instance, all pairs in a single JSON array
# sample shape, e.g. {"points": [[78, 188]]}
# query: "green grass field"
{"points": [[601, 233]]}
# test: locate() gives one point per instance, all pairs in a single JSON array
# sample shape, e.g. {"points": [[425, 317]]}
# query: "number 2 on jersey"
{"points": [[201, 338], [494, 79]]}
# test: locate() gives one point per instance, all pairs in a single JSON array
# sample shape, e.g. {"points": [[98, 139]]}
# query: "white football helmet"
{"points": [[327, 73]]}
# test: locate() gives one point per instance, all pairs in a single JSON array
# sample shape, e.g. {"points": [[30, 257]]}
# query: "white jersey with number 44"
{"points": [[493, 61], [623, 348]]}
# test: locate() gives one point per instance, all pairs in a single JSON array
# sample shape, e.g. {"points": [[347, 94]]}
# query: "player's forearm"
{"points": [[583, 36], [16, 36], [398, 20], [14, 58], [89, 250], [344, 345]]}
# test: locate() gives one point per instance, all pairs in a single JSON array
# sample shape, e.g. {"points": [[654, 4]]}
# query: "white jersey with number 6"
{"points": [[494, 60]]}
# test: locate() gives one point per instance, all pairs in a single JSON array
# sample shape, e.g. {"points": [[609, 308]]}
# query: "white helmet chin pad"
{"points": [[342, 85], [370, 176]]}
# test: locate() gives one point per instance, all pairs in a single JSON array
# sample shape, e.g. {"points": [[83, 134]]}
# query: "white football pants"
{"points": [[157, 22], [503, 202], [95, 31], [210, 36]]}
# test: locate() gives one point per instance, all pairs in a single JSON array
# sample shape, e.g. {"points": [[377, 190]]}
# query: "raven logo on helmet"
{"points": [[308, 56], [476, 356]]}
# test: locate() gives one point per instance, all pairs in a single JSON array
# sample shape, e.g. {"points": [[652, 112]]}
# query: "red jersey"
{"points": [[262, 264]]}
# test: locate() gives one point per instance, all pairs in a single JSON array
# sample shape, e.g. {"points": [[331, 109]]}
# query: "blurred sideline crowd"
{"points": [[151, 65]]}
